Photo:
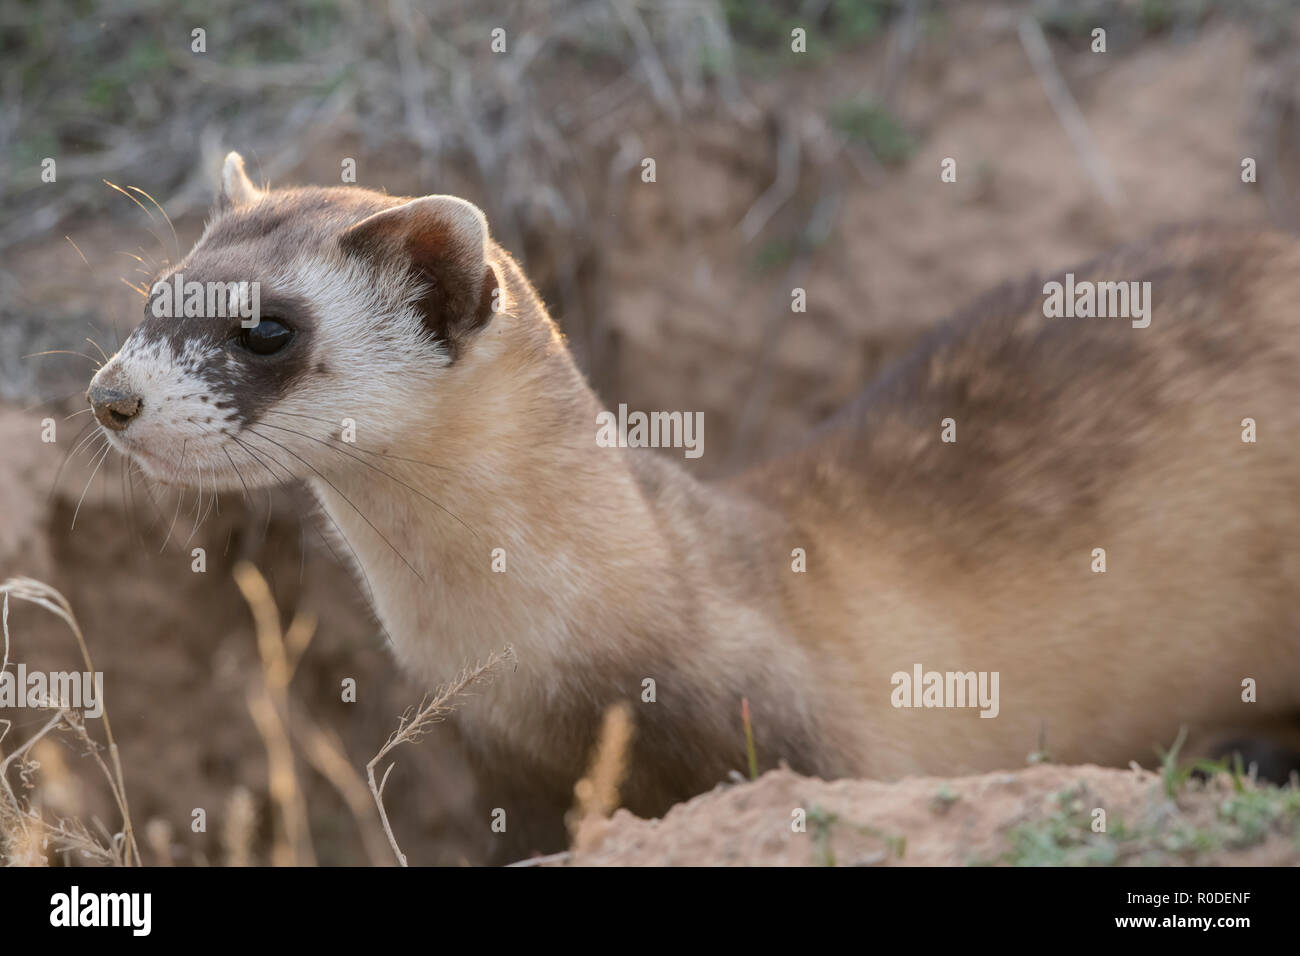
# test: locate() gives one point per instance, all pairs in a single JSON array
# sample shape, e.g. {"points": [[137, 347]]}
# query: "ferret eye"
{"points": [[266, 338]]}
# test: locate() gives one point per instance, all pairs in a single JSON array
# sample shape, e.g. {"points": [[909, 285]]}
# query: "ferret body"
{"points": [[806, 585]]}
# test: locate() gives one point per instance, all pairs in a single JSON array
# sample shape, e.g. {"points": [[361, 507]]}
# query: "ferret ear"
{"points": [[445, 241], [236, 188]]}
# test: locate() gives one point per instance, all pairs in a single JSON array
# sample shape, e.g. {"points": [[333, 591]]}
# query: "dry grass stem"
{"points": [[597, 794], [416, 722]]}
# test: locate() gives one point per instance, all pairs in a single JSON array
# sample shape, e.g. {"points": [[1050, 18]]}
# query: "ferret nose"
{"points": [[113, 408]]}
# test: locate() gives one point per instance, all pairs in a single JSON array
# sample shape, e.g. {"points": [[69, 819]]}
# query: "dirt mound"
{"points": [[1044, 815]]}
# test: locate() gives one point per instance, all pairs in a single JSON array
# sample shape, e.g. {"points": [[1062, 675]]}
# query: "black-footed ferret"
{"points": [[1038, 523]]}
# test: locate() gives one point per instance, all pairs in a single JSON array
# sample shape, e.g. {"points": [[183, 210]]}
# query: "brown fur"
{"points": [[1072, 434]]}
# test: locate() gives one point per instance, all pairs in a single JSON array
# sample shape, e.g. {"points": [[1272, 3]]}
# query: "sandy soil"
{"points": [[1042, 815]]}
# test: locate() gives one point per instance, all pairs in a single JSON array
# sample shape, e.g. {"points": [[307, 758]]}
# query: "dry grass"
{"points": [[40, 799], [268, 703], [398, 75], [26, 833]]}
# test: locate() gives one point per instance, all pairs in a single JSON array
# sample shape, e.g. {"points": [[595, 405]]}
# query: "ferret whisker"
{"points": [[132, 198], [128, 507], [275, 479], [359, 512], [292, 477], [152, 219], [214, 498], [117, 339], [153, 500], [367, 451], [149, 269], [175, 238], [79, 252], [238, 474], [83, 411], [88, 358], [180, 497], [386, 474], [126, 512], [153, 263], [55, 400], [90, 338], [138, 290], [356, 558], [80, 440], [102, 353], [107, 448], [198, 504], [128, 468], [87, 439]]}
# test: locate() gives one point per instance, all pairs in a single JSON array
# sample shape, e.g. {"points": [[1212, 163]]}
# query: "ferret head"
{"points": [[296, 311]]}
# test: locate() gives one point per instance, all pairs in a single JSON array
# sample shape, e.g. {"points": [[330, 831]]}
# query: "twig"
{"points": [[1067, 111], [902, 44], [660, 86], [782, 188]]}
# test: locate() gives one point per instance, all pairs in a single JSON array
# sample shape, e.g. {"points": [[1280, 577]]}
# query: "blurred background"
{"points": [[774, 169]]}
